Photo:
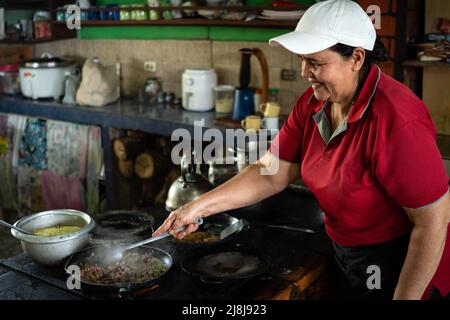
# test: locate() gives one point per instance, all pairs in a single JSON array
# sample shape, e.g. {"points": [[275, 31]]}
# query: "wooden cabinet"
{"points": [[58, 31], [197, 21]]}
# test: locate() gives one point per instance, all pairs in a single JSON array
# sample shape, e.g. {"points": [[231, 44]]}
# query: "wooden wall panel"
{"points": [[436, 80]]}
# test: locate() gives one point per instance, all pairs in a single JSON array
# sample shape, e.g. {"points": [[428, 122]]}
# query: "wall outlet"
{"points": [[289, 74], [150, 66]]}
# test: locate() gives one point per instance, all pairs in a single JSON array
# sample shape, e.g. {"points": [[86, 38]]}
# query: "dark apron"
{"points": [[353, 263], [352, 269]]}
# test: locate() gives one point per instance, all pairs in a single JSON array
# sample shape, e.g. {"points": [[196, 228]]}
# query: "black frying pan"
{"points": [[214, 225], [217, 267], [94, 255]]}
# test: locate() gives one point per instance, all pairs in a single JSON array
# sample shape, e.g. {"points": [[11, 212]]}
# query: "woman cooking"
{"points": [[366, 147]]}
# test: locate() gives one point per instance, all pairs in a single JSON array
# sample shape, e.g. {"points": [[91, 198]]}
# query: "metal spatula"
{"points": [[6, 224], [118, 253]]}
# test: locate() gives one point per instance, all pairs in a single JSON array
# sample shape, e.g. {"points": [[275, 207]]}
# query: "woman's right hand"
{"points": [[186, 215]]}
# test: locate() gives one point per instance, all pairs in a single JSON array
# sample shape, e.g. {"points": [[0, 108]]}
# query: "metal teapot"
{"points": [[188, 187]]}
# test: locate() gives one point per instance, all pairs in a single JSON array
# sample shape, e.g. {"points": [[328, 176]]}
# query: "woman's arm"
{"points": [[425, 248], [248, 187]]}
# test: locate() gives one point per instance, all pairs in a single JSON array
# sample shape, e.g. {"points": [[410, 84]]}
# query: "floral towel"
{"points": [[67, 148], [8, 186], [29, 191], [33, 146], [61, 192], [4, 143], [94, 165]]}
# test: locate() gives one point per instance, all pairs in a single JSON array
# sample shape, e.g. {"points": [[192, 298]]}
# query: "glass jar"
{"points": [[152, 88], [273, 94], [223, 99], [153, 14], [9, 79], [60, 14], [140, 12], [125, 13]]}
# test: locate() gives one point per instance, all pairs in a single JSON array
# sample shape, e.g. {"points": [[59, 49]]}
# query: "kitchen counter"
{"points": [[125, 114], [130, 114], [295, 259]]}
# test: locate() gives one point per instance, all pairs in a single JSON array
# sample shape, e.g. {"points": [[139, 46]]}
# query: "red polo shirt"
{"points": [[383, 157]]}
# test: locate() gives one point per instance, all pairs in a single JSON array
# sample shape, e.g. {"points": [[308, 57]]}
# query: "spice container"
{"points": [[125, 13], [152, 87], [9, 79]]}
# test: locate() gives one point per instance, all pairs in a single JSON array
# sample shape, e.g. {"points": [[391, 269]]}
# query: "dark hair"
{"points": [[378, 54]]}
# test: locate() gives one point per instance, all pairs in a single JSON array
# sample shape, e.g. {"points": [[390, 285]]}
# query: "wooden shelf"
{"points": [[6, 41], [188, 22], [24, 4], [425, 64]]}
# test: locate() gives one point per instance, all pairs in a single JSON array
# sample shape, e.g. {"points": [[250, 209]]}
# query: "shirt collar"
{"points": [[365, 96]]}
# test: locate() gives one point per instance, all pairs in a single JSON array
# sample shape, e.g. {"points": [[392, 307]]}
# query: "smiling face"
{"points": [[332, 76]]}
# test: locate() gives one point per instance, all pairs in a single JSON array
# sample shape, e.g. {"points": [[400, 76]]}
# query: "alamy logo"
{"points": [[73, 282], [73, 20], [374, 280], [374, 13]]}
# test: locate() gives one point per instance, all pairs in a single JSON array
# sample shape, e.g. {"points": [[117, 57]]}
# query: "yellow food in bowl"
{"points": [[56, 231]]}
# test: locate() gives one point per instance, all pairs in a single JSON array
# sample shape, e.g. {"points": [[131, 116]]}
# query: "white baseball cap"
{"points": [[327, 23]]}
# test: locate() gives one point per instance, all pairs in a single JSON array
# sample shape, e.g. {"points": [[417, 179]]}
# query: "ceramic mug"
{"points": [[251, 123], [270, 123], [270, 109]]}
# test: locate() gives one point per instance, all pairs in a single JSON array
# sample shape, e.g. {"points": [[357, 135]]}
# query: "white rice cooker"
{"points": [[197, 89], [44, 77]]}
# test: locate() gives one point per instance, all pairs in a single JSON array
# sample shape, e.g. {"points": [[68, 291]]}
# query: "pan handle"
{"points": [[211, 280], [124, 294]]}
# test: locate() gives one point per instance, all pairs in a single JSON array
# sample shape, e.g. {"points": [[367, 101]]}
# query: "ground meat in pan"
{"points": [[132, 268]]}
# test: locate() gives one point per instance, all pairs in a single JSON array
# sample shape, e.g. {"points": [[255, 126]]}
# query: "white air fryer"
{"points": [[197, 89]]}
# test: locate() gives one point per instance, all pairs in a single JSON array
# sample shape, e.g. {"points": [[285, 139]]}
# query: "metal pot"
{"points": [[44, 77], [221, 170], [53, 250]]}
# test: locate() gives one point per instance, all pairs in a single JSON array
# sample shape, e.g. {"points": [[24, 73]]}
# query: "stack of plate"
{"points": [[281, 15]]}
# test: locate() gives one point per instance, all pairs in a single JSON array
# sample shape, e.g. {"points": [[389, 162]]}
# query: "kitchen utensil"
{"points": [[71, 86], [9, 79], [243, 99], [217, 267], [251, 123], [152, 88], [163, 235], [6, 224], [232, 228], [270, 109], [44, 77], [197, 89], [221, 170], [305, 230], [223, 96], [53, 250], [117, 253], [94, 255], [214, 225], [121, 227], [269, 123], [188, 187]]}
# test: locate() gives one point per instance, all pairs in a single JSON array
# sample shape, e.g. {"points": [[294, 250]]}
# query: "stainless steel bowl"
{"points": [[53, 250]]}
